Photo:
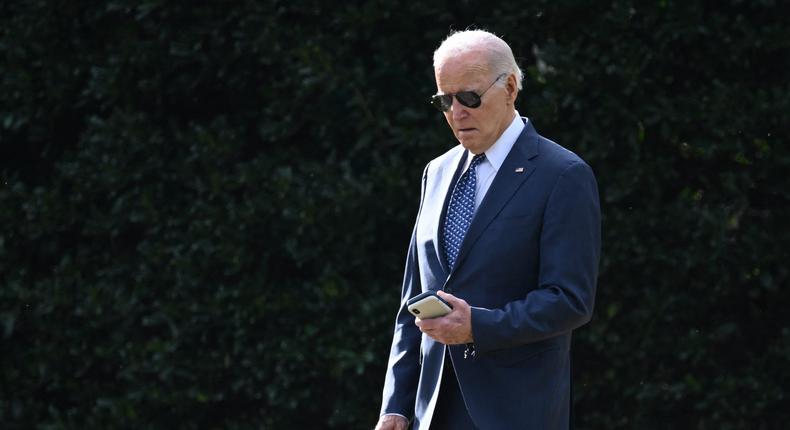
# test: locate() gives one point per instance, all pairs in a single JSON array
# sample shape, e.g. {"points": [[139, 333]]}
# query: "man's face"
{"points": [[476, 128]]}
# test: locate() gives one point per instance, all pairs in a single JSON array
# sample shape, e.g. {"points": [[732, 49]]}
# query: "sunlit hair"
{"points": [[498, 54]]}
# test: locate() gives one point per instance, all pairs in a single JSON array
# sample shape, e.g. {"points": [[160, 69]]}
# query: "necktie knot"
{"points": [[476, 160]]}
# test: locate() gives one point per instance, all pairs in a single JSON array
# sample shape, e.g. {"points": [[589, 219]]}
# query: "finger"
{"points": [[451, 299], [425, 324], [425, 328], [444, 295]]}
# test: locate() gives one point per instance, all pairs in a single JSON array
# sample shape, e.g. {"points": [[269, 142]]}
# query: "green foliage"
{"points": [[192, 232]]}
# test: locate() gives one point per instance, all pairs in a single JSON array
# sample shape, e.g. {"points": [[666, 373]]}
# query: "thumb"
{"points": [[451, 299]]}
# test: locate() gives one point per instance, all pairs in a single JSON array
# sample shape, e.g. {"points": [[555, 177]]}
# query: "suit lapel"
{"points": [[516, 168], [446, 184]]}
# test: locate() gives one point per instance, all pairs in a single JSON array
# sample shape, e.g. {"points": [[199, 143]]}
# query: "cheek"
{"points": [[449, 118], [485, 122]]}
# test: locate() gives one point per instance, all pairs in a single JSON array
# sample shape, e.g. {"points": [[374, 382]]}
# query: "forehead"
{"points": [[464, 72]]}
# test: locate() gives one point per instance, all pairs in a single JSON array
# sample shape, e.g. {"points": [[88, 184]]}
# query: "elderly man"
{"points": [[508, 233]]}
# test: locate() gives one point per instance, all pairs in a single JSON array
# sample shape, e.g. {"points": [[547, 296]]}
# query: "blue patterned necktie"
{"points": [[460, 211]]}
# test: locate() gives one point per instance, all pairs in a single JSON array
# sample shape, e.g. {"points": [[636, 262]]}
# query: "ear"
{"points": [[511, 88]]}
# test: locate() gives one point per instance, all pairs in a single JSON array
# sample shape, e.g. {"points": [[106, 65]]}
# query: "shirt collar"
{"points": [[497, 153]]}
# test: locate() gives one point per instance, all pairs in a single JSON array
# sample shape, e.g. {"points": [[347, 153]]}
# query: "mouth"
{"points": [[465, 130]]}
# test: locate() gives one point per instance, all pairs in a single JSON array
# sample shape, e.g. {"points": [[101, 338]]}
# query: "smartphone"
{"points": [[428, 305]]}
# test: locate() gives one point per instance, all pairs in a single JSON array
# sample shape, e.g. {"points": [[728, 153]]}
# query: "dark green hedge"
{"points": [[204, 208]]}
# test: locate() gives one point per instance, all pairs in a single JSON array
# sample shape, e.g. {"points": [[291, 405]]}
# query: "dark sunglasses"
{"points": [[470, 99]]}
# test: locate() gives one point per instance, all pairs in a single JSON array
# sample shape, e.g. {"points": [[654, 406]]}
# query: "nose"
{"points": [[457, 109]]}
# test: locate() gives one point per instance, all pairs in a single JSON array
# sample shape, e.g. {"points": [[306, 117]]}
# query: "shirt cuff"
{"points": [[393, 413]]}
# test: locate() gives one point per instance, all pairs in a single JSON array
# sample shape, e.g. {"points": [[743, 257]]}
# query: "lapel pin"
{"points": [[519, 170]]}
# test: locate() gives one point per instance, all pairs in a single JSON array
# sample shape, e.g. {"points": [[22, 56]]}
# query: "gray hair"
{"points": [[498, 54]]}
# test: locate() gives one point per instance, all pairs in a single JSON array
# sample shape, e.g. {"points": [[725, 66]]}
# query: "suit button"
{"points": [[448, 290]]}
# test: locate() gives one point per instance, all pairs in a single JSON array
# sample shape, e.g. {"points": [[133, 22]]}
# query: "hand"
{"points": [[392, 422], [452, 329]]}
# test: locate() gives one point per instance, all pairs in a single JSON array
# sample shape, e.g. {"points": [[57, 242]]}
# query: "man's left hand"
{"points": [[452, 329]]}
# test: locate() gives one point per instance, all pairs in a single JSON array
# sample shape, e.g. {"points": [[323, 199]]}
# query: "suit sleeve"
{"points": [[570, 244], [403, 368]]}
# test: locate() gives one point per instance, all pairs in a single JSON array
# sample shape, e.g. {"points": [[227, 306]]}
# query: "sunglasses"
{"points": [[470, 99]]}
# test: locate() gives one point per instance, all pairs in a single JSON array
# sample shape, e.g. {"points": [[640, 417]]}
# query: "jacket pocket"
{"points": [[516, 355], [511, 224]]}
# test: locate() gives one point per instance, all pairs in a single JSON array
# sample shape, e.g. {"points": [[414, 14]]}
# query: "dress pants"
{"points": [[450, 412]]}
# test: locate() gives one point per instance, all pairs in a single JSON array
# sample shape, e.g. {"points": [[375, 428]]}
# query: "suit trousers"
{"points": [[450, 412]]}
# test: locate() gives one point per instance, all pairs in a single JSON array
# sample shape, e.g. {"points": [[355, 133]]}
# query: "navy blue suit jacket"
{"points": [[527, 267]]}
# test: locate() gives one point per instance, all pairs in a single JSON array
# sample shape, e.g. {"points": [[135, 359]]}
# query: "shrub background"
{"points": [[205, 207]]}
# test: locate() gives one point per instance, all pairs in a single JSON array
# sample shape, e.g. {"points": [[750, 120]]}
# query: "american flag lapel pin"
{"points": [[519, 170]]}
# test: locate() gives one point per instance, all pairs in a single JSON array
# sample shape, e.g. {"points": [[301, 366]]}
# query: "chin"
{"points": [[468, 144], [472, 146]]}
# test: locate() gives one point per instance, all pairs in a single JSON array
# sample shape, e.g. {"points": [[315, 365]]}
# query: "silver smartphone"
{"points": [[428, 305]]}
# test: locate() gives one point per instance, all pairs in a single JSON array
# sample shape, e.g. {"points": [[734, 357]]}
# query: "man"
{"points": [[508, 233]]}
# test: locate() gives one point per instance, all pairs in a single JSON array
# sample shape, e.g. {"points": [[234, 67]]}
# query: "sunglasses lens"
{"points": [[468, 99], [442, 102]]}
